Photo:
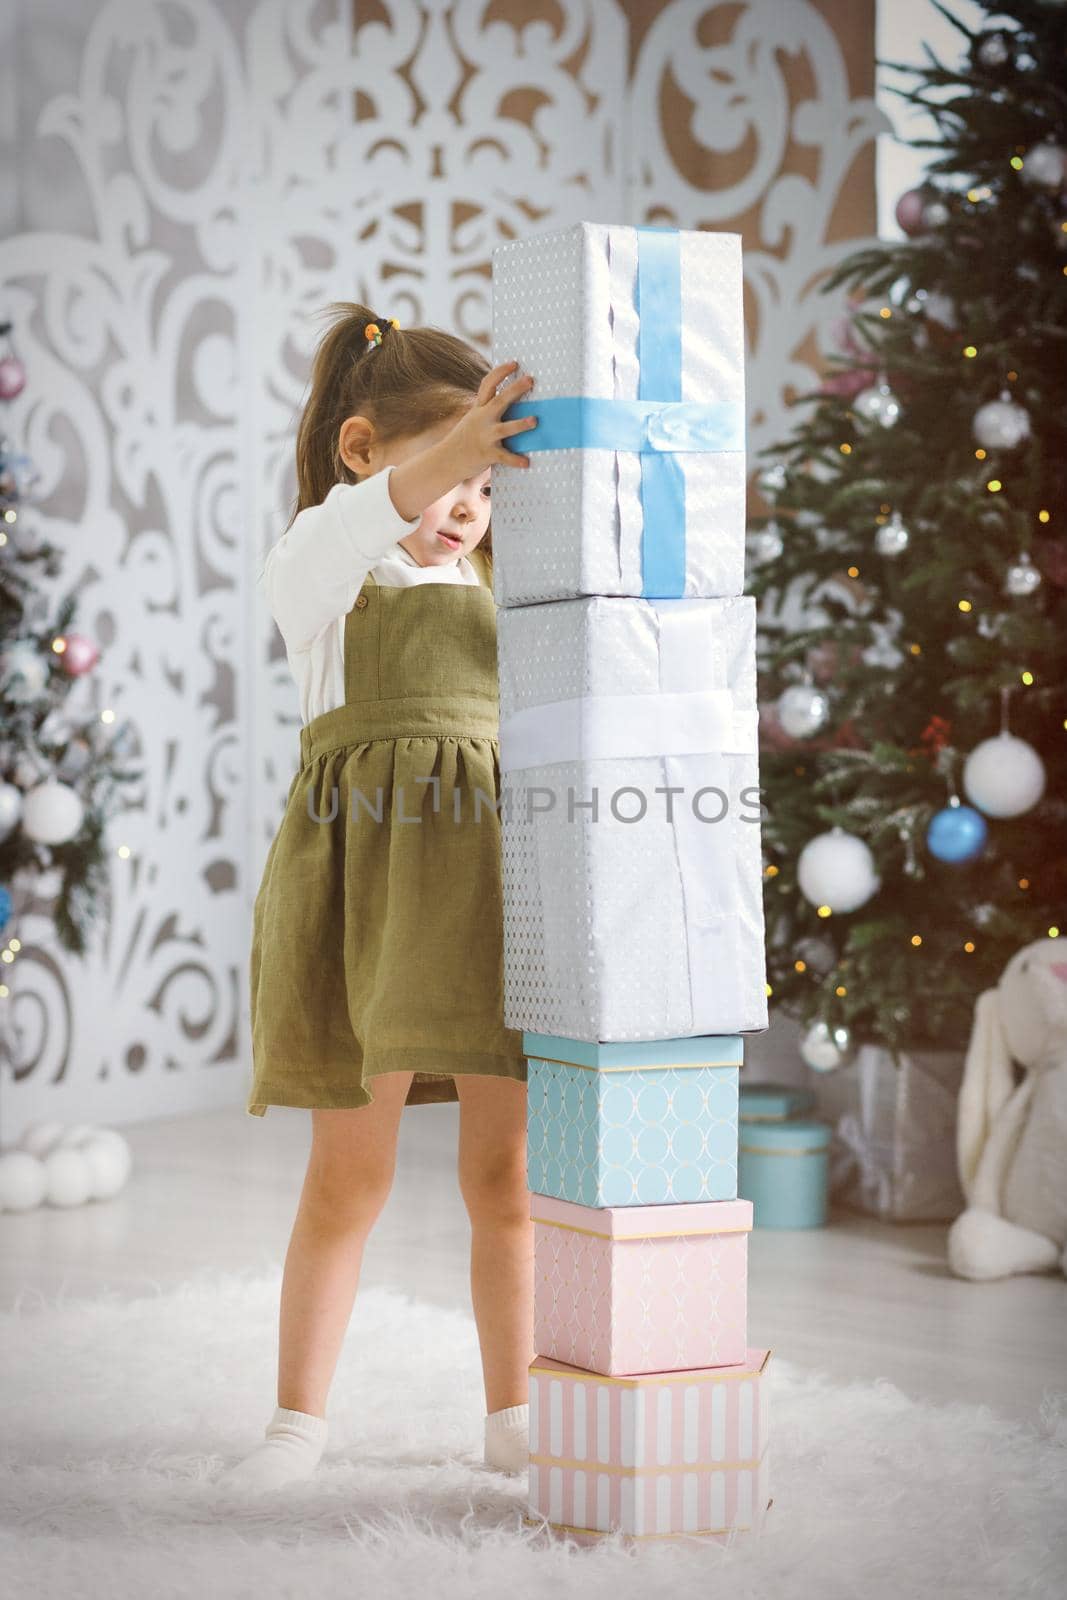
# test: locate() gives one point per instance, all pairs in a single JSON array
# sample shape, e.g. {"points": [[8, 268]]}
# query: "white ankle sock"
{"points": [[294, 1442], [507, 1439]]}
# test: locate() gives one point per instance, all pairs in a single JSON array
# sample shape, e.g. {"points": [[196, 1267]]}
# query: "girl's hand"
{"points": [[474, 442]]}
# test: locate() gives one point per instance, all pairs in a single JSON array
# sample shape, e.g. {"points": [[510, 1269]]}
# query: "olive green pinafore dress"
{"points": [[377, 930]]}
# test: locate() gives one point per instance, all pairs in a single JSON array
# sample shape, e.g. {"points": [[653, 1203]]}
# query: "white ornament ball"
{"points": [[40, 1137], [878, 405], [1001, 424], [22, 1181], [825, 1049], [802, 710], [66, 1174], [836, 869], [52, 813], [109, 1160], [1045, 166], [1004, 776]]}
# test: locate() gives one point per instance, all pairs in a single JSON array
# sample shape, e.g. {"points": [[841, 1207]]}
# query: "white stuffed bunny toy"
{"points": [[1011, 1139]]}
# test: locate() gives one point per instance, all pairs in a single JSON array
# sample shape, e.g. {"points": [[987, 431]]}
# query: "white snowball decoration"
{"points": [[66, 1174], [52, 813], [79, 1133], [109, 1160], [836, 869], [40, 1137], [1004, 776], [1001, 424], [23, 671], [824, 1049], [22, 1181]]}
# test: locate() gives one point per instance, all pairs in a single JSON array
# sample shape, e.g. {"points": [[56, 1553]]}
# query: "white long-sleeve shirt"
{"points": [[314, 572]]}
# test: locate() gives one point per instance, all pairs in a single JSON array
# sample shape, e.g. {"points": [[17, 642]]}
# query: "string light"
{"points": [[970, 350], [1044, 516], [800, 966], [916, 939], [885, 312], [59, 645], [1027, 678], [1054, 933], [994, 486], [853, 572], [965, 605], [969, 947], [1017, 163], [916, 649], [824, 911], [841, 991], [5, 955], [772, 871], [124, 851], [845, 449], [107, 716], [1024, 883], [979, 455], [15, 944], [769, 990]]}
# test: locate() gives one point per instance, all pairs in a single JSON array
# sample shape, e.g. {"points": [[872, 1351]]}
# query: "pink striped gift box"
{"points": [[625, 1289], [650, 1456]]}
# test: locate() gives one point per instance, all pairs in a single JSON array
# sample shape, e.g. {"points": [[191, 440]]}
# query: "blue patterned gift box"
{"points": [[644, 1122]]}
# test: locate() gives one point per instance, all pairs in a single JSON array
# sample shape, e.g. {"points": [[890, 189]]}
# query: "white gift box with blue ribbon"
{"points": [[652, 1123], [635, 338], [630, 818]]}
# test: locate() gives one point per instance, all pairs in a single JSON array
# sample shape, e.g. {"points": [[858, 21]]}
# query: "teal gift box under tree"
{"points": [[644, 1122], [783, 1169]]}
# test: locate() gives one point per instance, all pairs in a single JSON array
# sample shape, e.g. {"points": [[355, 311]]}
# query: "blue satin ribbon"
{"points": [[658, 425]]}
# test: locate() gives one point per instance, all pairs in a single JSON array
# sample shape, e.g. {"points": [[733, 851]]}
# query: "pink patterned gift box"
{"points": [[626, 1289], [654, 1455]]}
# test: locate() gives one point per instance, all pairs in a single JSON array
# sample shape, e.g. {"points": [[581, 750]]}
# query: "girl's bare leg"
{"points": [[492, 1180], [349, 1176]]}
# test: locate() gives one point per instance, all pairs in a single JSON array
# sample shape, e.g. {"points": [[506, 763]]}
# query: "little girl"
{"points": [[377, 962]]}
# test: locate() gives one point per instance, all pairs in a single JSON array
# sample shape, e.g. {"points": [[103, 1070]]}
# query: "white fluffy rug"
{"points": [[117, 1416]]}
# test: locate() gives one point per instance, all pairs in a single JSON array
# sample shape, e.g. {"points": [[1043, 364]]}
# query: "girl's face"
{"points": [[462, 513]]}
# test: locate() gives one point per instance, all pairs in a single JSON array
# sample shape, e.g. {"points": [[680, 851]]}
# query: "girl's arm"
{"points": [[314, 572]]}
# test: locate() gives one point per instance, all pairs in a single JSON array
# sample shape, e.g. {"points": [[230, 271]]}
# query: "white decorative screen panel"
{"points": [[196, 179]]}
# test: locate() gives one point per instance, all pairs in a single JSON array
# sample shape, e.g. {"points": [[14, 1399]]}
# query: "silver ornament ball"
{"points": [[892, 537], [802, 710], [1001, 424], [1022, 577], [1045, 166], [877, 405]]}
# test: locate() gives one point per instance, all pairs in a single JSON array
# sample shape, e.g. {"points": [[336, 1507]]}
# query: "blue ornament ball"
{"points": [[956, 834], [5, 907]]}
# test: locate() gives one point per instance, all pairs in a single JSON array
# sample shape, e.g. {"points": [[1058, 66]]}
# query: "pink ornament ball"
{"points": [[80, 656], [12, 377], [909, 211]]}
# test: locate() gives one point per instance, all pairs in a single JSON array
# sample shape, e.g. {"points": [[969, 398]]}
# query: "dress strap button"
{"points": [[361, 602]]}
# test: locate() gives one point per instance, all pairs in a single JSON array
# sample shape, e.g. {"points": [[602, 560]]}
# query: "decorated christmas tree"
{"points": [[60, 768], [914, 728]]}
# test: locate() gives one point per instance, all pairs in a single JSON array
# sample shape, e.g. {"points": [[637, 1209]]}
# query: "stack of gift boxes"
{"points": [[633, 915]]}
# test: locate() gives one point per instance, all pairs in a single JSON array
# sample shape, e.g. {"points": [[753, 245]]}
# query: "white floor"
{"points": [[859, 1298]]}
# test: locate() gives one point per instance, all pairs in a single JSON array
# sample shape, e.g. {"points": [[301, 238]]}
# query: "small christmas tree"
{"points": [[59, 772], [913, 762]]}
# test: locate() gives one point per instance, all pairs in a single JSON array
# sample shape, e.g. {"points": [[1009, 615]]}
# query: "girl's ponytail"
{"points": [[404, 379]]}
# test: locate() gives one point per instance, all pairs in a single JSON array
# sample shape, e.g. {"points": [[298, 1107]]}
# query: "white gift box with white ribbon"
{"points": [[610, 319], [630, 818]]}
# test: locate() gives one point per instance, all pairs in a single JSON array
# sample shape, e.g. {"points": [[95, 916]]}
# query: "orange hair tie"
{"points": [[373, 334]]}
